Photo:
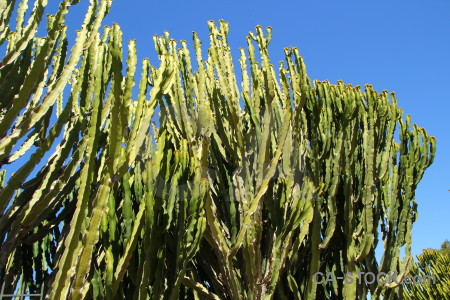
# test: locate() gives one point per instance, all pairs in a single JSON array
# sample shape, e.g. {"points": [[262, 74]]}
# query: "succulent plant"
{"points": [[243, 189]]}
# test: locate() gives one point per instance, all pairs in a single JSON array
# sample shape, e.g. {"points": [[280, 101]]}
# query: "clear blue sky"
{"points": [[401, 46]]}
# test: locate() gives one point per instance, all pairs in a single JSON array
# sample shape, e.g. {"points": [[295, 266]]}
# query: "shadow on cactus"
{"points": [[216, 200]]}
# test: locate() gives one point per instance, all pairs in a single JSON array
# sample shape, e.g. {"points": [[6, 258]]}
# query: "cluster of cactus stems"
{"points": [[243, 189]]}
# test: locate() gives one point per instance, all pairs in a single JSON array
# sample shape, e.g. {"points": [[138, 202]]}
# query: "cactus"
{"points": [[243, 190]]}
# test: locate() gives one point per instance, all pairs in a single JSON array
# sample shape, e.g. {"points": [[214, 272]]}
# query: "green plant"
{"points": [[445, 247], [430, 277], [237, 193]]}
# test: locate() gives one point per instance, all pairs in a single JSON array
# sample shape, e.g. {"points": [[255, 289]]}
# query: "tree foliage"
{"points": [[445, 247], [433, 271]]}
